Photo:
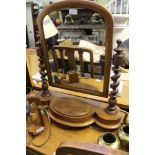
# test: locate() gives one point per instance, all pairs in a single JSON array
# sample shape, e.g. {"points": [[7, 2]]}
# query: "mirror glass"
{"points": [[75, 43]]}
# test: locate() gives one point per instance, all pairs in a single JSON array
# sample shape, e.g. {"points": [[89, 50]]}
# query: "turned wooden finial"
{"points": [[45, 91], [117, 60]]}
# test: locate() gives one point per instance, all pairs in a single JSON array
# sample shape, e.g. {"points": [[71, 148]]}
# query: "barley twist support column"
{"points": [[44, 95], [110, 117]]}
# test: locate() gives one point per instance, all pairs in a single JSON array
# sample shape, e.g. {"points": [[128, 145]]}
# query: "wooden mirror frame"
{"points": [[108, 40]]}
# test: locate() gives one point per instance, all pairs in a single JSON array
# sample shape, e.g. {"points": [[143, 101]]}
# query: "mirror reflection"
{"points": [[76, 48]]}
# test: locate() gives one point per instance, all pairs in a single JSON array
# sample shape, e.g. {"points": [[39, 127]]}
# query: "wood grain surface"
{"points": [[59, 134]]}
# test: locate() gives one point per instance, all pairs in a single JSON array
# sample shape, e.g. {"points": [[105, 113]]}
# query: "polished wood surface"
{"points": [[74, 111], [88, 134], [122, 101], [109, 121], [78, 148], [108, 35], [77, 109]]}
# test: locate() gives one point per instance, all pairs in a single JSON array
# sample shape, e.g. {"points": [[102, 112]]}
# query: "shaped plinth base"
{"points": [[109, 120], [39, 99], [71, 112]]}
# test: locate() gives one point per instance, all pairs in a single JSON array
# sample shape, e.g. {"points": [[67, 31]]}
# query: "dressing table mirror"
{"points": [[60, 66], [76, 39]]}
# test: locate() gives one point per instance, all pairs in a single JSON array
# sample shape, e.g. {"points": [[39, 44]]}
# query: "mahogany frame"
{"points": [[108, 40]]}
